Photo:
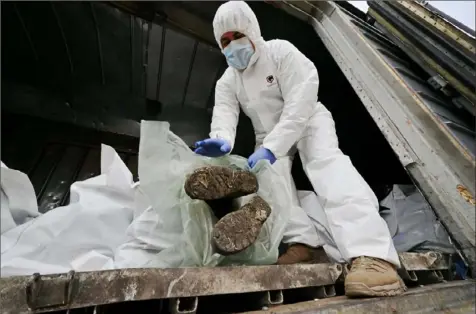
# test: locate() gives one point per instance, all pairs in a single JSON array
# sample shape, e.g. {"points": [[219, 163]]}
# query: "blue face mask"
{"points": [[238, 53]]}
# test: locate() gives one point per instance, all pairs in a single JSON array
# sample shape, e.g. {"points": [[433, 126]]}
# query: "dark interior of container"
{"points": [[72, 70]]}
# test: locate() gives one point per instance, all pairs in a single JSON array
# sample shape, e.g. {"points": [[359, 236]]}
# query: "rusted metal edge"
{"points": [[112, 286], [438, 24], [439, 49], [454, 297], [425, 261], [457, 25]]}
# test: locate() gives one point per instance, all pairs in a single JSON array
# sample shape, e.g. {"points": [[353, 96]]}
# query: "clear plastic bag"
{"points": [[172, 230]]}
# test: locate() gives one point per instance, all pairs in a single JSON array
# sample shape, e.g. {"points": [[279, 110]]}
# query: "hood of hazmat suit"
{"points": [[278, 92], [277, 74], [237, 16]]}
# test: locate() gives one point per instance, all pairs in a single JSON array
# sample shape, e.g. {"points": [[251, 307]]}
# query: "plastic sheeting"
{"points": [[18, 201], [113, 223], [82, 235], [172, 230], [418, 227]]}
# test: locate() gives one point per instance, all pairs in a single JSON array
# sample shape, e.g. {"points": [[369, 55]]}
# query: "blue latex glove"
{"points": [[261, 153], [212, 147]]}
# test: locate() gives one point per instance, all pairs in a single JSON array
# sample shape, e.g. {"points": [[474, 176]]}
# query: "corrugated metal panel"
{"points": [[65, 60], [456, 121], [449, 24], [433, 43]]}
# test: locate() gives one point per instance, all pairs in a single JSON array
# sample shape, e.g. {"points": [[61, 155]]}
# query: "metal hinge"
{"points": [[50, 292]]}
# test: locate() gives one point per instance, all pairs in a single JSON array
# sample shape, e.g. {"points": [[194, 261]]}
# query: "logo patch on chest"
{"points": [[270, 79]]}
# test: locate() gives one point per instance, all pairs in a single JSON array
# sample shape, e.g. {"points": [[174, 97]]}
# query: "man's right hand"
{"points": [[212, 147]]}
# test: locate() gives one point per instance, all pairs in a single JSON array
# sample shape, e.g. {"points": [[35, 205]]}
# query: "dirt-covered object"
{"points": [[217, 182], [239, 229]]}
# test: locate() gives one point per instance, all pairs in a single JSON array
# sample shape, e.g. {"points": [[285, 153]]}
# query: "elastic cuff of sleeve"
{"points": [[271, 149]]}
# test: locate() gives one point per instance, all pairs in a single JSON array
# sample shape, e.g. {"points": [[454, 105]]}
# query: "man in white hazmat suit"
{"points": [[276, 86]]}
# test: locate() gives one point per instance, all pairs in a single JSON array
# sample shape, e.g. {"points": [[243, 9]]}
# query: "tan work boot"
{"points": [[295, 254], [373, 277]]}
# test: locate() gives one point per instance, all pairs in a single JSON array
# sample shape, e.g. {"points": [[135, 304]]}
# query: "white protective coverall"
{"points": [[278, 92]]}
